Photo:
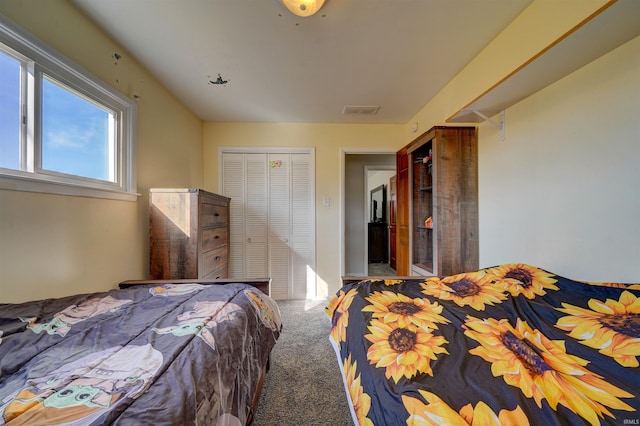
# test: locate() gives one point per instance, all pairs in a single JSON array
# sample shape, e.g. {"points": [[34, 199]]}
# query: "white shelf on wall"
{"points": [[596, 36]]}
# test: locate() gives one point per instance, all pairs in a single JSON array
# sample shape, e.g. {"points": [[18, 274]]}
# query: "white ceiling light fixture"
{"points": [[303, 8]]}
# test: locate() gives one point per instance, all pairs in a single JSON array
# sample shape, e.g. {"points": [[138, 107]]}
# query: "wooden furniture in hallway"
{"points": [[392, 221]]}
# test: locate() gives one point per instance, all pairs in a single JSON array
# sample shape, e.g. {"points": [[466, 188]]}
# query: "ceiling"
{"points": [[278, 67]]}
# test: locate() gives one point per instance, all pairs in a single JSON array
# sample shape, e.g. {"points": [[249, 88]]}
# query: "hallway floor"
{"points": [[381, 270]]}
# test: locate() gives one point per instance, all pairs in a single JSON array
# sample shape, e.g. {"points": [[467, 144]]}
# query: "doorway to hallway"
{"points": [[355, 206]]}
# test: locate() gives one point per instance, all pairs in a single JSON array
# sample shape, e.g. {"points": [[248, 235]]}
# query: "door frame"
{"points": [[367, 213], [344, 151]]}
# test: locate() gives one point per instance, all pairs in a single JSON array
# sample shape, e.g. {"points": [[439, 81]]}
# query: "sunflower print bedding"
{"points": [[507, 345]]}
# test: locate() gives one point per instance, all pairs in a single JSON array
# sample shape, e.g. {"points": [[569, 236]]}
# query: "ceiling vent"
{"points": [[361, 110]]}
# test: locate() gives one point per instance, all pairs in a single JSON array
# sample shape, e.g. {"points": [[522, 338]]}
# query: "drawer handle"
{"points": [[217, 237], [216, 214], [217, 258]]}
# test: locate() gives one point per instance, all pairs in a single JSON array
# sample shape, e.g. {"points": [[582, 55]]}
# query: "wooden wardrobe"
{"points": [[438, 203]]}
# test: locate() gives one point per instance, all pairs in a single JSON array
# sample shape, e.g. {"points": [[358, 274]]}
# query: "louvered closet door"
{"points": [[234, 186], [291, 228], [256, 261], [302, 231], [272, 220], [244, 181], [279, 223]]}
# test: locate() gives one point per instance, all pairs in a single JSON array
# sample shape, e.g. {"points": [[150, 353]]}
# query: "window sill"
{"points": [[34, 185]]}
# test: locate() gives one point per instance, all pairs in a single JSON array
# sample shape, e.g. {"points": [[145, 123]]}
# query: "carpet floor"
{"points": [[381, 270], [304, 385]]}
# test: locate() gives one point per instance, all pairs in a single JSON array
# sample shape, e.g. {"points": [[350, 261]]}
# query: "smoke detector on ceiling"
{"points": [[361, 110]]}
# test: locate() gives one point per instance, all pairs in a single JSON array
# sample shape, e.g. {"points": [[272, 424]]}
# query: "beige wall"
{"points": [[53, 245], [329, 141], [561, 191]]}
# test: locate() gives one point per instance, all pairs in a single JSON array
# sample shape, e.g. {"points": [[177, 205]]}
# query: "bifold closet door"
{"points": [[279, 219], [303, 227], [272, 231], [245, 182], [291, 228]]}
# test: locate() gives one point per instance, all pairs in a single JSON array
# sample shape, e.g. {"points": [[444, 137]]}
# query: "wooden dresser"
{"points": [[189, 234], [378, 242]]}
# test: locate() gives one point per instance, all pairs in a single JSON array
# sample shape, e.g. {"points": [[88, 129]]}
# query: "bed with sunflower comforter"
{"points": [[507, 345]]}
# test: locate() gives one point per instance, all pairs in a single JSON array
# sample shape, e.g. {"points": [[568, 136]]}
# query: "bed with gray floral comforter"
{"points": [[166, 354]]}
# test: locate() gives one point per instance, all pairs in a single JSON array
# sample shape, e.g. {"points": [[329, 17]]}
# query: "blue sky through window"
{"points": [[77, 137], [75, 134], [9, 112]]}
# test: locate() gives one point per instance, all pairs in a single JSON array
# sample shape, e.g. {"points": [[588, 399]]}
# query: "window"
{"points": [[62, 130], [9, 111]]}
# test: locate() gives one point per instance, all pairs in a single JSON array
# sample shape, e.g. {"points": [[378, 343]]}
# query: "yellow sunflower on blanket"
{"points": [[518, 278], [389, 307], [403, 351], [359, 399], [437, 412], [473, 289], [338, 311], [612, 327], [542, 368]]}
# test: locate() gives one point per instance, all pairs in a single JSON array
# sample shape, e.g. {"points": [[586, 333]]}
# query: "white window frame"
{"points": [[41, 59]]}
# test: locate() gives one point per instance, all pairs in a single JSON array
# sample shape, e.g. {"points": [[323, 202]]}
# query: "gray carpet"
{"points": [[381, 270], [304, 385]]}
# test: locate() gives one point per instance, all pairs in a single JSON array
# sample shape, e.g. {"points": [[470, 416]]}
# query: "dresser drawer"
{"points": [[211, 238], [213, 215], [218, 273], [213, 260]]}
